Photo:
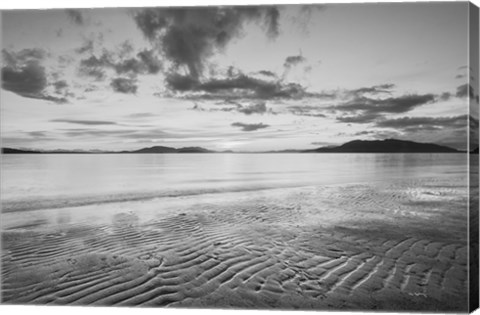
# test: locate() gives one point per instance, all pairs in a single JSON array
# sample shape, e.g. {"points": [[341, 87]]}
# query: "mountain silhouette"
{"points": [[356, 146], [385, 146]]}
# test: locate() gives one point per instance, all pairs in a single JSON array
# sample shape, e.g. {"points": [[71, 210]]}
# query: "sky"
{"points": [[236, 78]]}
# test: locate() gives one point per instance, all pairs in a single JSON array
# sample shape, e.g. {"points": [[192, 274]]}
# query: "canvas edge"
{"points": [[473, 63]]}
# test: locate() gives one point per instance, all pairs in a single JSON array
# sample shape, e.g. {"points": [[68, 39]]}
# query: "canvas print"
{"points": [[312, 156]]}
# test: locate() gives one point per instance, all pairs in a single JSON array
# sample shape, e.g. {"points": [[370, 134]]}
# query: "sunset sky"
{"points": [[236, 78]]}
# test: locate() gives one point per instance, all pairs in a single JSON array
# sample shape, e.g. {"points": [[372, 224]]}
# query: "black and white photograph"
{"points": [[309, 156]]}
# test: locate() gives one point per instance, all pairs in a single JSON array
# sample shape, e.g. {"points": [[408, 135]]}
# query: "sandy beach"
{"points": [[397, 245]]}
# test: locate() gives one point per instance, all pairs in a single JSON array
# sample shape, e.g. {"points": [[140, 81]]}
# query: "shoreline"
{"points": [[353, 247]]}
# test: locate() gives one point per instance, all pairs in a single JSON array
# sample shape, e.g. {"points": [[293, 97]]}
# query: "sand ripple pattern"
{"points": [[393, 247]]}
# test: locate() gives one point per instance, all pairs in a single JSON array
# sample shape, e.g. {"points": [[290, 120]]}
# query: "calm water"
{"points": [[81, 176]]}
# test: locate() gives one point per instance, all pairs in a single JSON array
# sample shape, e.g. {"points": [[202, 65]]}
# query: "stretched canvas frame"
{"points": [[275, 249]]}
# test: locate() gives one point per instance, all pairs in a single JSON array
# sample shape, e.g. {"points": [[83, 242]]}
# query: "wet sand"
{"points": [[399, 245]]}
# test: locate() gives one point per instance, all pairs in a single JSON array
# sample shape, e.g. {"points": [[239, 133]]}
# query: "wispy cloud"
{"points": [[423, 123], [249, 127], [84, 122], [397, 105]]}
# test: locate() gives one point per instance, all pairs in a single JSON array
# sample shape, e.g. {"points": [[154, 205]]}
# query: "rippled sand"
{"points": [[379, 246]]}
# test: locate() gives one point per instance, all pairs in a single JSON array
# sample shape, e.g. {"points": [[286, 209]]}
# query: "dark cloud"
{"points": [[324, 95], [267, 73], [424, 123], [37, 134], [400, 104], [151, 62], [97, 73], [465, 90], [144, 63], [84, 122], [259, 108], [249, 127], [124, 85], [445, 96], [291, 61], [360, 118], [376, 89], [237, 87], [131, 65], [188, 36], [60, 85], [24, 74], [28, 80], [75, 16], [179, 82], [94, 66]]}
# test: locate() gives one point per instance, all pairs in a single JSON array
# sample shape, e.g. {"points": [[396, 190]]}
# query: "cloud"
{"points": [[240, 86], [141, 115], [291, 61], [124, 85], [359, 119], [145, 62], [25, 75], [188, 36], [424, 123], [233, 106], [75, 16], [28, 80], [445, 96], [267, 73], [396, 105], [122, 134], [37, 134], [306, 110], [259, 108], [465, 90], [152, 63], [87, 46], [376, 89], [180, 82], [84, 122], [250, 127], [94, 67], [96, 73]]}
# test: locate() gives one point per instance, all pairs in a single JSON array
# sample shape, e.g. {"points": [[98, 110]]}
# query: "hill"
{"points": [[385, 146]]}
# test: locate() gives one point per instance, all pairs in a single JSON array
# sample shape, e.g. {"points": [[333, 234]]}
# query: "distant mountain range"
{"points": [[356, 146], [386, 146], [156, 149]]}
